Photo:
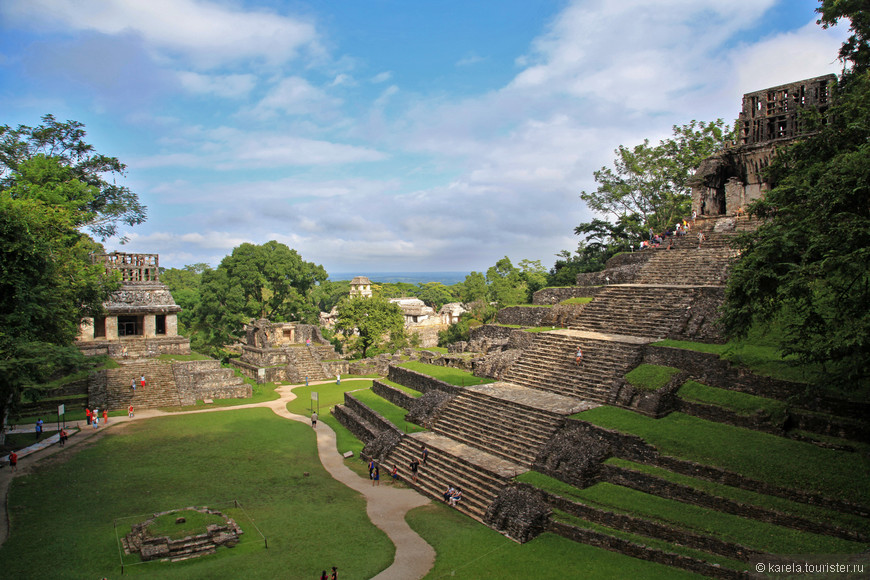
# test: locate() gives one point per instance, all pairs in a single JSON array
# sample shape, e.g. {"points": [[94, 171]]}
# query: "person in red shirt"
{"points": [[13, 460], [130, 412], [88, 415], [106, 416]]}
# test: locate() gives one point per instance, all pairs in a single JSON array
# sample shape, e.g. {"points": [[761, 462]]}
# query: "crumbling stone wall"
{"points": [[556, 295], [620, 269], [518, 513], [522, 315], [425, 410], [573, 456], [392, 394], [657, 403]]}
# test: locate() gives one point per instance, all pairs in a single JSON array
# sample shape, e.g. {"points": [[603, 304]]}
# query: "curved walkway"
{"points": [[386, 505]]}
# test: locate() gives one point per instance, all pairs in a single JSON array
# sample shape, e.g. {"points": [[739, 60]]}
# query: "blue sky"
{"points": [[386, 135]]}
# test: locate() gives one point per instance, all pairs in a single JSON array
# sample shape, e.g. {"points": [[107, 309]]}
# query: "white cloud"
{"points": [[382, 77], [226, 148], [208, 33], [294, 96], [470, 59], [234, 86]]}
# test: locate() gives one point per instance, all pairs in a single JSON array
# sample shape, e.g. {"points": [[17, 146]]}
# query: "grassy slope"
{"points": [[62, 514], [449, 375], [784, 462], [471, 551]]}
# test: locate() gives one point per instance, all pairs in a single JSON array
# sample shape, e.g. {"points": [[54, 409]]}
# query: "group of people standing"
{"points": [[93, 417]]}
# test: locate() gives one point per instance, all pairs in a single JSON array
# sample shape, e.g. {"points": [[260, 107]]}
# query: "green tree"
{"points": [[267, 281], [184, 285], [435, 294], [473, 288], [856, 49], [369, 323], [50, 186], [648, 185], [505, 284], [54, 163], [534, 275], [807, 267]]}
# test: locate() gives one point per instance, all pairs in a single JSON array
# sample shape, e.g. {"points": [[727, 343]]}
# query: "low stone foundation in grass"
{"points": [[215, 530]]}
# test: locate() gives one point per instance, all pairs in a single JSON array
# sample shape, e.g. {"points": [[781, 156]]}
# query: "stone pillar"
{"points": [[111, 328], [149, 325], [171, 325], [86, 330]]}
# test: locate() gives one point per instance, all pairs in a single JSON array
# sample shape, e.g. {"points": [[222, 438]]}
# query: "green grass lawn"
{"points": [[810, 512], [730, 528], [392, 413], [741, 403], [578, 300], [650, 377], [471, 551], [761, 456], [403, 388], [449, 375], [62, 515]]}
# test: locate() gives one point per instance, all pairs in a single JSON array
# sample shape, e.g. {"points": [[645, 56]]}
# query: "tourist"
{"points": [[133, 384], [694, 215], [415, 465], [457, 495], [62, 437], [449, 493], [395, 474], [106, 416], [579, 356], [38, 428], [142, 381], [376, 477], [334, 574], [323, 576], [88, 415], [124, 351], [314, 420], [371, 469], [337, 379], [701, 238], [424, 454], [130, 412], [13, 460], [95, 418]]}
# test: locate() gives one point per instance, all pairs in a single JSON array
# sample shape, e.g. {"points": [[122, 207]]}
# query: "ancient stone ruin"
{"points": [[140, 541], [728, 181]]}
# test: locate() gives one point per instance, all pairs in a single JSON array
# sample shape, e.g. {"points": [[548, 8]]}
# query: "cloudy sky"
{"points": [[386, 135]]}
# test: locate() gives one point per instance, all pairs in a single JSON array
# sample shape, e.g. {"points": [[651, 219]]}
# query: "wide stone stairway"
{"points": [[160, 389], [636, 310], [549, 364]]}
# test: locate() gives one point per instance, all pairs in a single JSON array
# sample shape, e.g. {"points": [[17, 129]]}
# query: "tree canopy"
{"points": [[51, 185], [52, 162], [369, 323], [648, 185], [267, 281], [808, 265]]}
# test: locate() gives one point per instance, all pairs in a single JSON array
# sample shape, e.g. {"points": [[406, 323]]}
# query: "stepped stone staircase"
{"points": [[635, 310], [549, 363], [505, 420], [160, 388], [705, 266], [480, 475], [308, 361]]}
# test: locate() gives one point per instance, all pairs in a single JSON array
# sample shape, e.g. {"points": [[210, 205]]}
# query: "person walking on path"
{"points": [[106, 416], [62, 437], [13, 460], [337, 379], [130, 412], [314, 420], [415, 465], [88, 415], [38, 428], [376, 479]]}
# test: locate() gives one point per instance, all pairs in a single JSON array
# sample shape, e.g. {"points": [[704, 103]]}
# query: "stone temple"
{"points": [[728, 181]]}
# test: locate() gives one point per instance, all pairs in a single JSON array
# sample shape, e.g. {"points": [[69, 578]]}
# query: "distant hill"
{"points": [[446, 278]]}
